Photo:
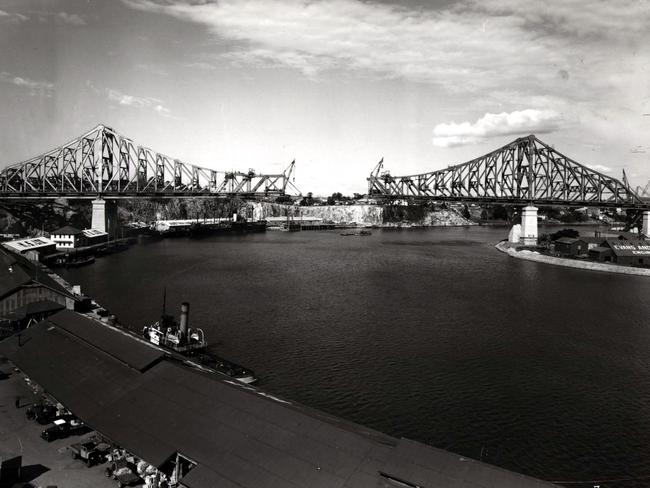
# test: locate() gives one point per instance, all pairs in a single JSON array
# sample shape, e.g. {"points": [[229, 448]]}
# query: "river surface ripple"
{"points": [[427, 334]]}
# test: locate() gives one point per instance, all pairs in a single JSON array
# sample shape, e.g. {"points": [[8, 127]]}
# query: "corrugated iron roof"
{"points": [[16, 271], [136, 354], [34, 308], [81, 377], [600, 249], [32, 243], [94, 233], [637, 248], [66, 230], [237, 434]]}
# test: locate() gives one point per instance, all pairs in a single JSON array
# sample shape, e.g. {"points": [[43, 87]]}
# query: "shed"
{"points": [[602, 254], [592, 241], [571, 246]]}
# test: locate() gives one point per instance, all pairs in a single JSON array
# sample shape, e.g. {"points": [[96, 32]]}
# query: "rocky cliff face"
{"points": [[177, 208], [348, 214], [365, 214]]}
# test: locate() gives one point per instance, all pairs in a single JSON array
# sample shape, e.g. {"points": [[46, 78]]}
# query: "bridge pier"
{"points": [[104, 216], [529, 226], [645, 220]]}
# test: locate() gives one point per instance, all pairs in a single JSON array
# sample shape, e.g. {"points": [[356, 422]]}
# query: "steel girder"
{"points": [[102, 162], [524, 171]]}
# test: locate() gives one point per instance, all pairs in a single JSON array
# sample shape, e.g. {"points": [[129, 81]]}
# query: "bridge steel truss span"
{"points": [[526, 171], [104, 163]]}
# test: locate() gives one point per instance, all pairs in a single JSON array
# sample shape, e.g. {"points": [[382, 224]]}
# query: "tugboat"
{"points": [[192, 343]]}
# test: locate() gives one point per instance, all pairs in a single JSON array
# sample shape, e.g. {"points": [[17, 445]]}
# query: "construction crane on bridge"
{"points": [[526, 171], [644, 193], [103, 163]]}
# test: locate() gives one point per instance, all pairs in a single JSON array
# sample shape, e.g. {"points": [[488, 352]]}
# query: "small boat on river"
{"points": [[81, 261]]}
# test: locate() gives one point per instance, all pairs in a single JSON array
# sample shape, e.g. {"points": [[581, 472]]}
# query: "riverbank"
{"points": [[527, 255]]}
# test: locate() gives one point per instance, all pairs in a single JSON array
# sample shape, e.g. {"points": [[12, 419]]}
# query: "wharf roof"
{"points": [[34, 308], [32, 243], [12, 276], [94, 233], [81, 377], [137, 354], [16, 271], [239, 435], [66, 230]]}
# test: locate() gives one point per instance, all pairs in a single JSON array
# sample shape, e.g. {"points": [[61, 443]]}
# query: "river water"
{"points": [[428, 334]]}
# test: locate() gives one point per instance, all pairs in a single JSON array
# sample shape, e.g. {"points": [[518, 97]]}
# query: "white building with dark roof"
{"points": [[67, 237]]}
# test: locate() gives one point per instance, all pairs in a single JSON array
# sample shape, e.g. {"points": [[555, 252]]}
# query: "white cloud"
{"points": [[518, 123], [72, 19], [201, 65], [586, 60], [151, 68], [469, 46], [599, 167], [13, 18], [124, 99], [35, 87]]}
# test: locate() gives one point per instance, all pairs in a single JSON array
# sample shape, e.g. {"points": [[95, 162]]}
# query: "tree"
{"points": [[308, 200], [564, 233]]}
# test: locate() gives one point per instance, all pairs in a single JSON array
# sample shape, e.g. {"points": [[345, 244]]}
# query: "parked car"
{"points": [[63, 428]]}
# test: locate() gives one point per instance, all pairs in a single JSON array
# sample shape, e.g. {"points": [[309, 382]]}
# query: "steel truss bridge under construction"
{"points": [[526, 171], [102, 163]]}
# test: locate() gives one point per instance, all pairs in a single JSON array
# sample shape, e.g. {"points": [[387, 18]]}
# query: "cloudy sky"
{"points": [[335, 84]]}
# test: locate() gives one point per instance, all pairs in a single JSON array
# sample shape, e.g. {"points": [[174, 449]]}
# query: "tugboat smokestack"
{"points": [[185, 317]]}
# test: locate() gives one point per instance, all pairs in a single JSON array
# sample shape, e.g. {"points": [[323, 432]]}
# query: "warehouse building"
{"points": [[33, 248], [205, 430], [28, 293], [630, 252]]}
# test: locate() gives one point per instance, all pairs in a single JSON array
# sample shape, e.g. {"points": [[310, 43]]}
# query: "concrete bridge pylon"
{"points": [[104, 215], [529, 232]]}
